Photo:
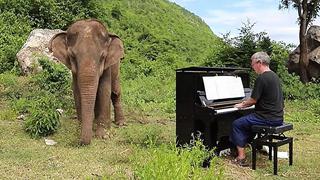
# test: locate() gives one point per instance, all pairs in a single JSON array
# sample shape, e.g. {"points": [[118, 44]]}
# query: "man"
{"points": [[268, 100]]}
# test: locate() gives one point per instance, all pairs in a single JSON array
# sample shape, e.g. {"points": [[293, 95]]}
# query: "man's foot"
{"points": [[240, 162]]}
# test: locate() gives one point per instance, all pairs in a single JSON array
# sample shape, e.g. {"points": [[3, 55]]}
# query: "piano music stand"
{"points": [[267, 139]]}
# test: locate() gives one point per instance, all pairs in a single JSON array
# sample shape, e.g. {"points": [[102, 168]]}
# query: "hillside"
{"points": [[159, 37]]}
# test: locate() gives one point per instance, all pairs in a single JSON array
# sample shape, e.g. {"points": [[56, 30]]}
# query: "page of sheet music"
{"points": [[223, 87]]}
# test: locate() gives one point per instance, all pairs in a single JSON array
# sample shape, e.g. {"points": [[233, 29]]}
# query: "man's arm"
{"points": [[246, 103]]}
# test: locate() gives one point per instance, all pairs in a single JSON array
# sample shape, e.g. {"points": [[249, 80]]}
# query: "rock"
{"points": [[35, 47], [313, 37], [313, 42], [60, 111], [50, 142], [21, 117]]}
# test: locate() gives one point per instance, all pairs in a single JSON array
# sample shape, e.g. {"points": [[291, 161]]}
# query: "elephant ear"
{"points": [[58, 46], [115, 51]]}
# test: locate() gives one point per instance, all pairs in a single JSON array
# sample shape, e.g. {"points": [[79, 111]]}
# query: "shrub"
{"points": [[54, 77], [306, 111], [43, 118], [51, 13], [170, 162], [14, 31], [11, 86], [294, 89]]}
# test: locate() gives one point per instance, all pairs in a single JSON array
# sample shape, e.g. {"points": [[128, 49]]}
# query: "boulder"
{"points": [[313, 43], [36, 46]]}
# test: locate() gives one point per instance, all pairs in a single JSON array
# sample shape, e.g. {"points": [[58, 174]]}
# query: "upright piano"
{"points": [[205, 99]]}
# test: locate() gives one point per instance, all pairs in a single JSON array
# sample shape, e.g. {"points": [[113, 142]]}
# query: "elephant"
{"points": [[93, 55]]}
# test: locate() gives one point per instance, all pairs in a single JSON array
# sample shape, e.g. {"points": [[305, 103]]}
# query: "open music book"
{"points": [[223, 87]]}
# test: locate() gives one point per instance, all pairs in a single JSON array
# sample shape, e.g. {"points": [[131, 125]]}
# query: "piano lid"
{"points": [[223, 87], [211, 69]]}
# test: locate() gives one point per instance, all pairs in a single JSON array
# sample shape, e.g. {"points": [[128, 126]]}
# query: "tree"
{"points": [[307, 12], [238, 50]]}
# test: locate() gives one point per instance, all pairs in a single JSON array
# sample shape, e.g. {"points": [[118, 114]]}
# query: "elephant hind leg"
{"points": [[118, 113], [116, 95]]}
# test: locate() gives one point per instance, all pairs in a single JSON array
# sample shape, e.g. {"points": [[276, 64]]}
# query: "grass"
{"points": [[145, 139]]}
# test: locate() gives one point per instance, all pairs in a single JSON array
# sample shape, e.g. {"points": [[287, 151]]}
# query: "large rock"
{"points": [[35, 47], [313, 42]]}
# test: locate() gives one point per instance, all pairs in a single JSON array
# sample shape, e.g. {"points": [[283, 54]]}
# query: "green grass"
{"points": [[117, 157], [147, 143]]}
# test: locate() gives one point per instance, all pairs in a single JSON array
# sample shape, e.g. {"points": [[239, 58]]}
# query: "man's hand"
{"points": [[240, 105], [246, 103]]}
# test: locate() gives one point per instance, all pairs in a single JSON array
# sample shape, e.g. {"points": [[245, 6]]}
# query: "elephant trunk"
{"points": [[88, 90]]}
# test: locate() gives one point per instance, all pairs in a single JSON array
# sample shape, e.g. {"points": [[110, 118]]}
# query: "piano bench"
{"points": [[272, 137]]}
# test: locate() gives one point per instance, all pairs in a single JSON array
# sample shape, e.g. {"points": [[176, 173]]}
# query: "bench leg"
{"points": [[291, 152], [275, 160], [254, 156], [270, 148]]}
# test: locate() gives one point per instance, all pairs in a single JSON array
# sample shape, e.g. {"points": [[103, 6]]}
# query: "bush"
{"points": [[43, 118], [51, 13], [14, 31], [294, 89], [170, 162], [54, 77], [12, 87], [306, 111], [39, 96]]}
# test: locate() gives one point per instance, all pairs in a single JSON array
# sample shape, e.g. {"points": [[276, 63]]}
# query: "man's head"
{"points": [[260, 62]]}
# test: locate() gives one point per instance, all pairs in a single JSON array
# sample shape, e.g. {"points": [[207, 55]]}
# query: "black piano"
{"points": [[197, 116]]}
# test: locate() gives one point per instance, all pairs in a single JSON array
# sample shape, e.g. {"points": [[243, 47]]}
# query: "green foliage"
{"points": [[310, 8], [170, 162], [149, 136], [54, 77], [238, 50], [159, 37], [11, 86], [292, 87], [39, 96], [43, 118], [51, 13], [304, 111], [14, 31]]}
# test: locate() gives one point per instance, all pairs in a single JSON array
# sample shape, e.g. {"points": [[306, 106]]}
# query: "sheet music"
{"points": [[223, 87]]}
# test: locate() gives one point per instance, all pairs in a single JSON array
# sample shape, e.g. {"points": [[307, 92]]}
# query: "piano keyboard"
{"points": [[227, 110]]}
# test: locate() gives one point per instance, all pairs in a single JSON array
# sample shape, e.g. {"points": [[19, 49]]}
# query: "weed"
{"points": [[170, 162]]}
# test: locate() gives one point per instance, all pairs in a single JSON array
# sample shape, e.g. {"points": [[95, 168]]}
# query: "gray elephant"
{"points": [[93, 55]]}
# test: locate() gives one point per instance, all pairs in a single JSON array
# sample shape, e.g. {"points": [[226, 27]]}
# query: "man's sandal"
{"points": [[240, 162]]}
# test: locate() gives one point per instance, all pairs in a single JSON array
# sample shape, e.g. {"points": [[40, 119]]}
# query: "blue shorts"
{"points": [[241, 128]]}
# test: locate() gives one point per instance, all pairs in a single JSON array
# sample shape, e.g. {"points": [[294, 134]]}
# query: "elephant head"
{"points": [[93, 55]]}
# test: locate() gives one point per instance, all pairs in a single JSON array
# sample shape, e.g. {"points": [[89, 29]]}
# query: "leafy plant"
{"points": [[43, 118], [54, 77], [170, 162], [14, 31]]}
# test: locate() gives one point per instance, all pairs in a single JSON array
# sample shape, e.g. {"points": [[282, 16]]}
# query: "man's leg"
{"points": [[241, 153], [241, 131]]}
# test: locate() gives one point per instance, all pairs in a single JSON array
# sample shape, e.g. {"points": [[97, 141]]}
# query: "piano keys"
{"points": [[209, 116]]}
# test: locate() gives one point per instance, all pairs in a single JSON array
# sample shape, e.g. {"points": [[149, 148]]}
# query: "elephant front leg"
{"points": [[76, 95], [103, 103]]}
